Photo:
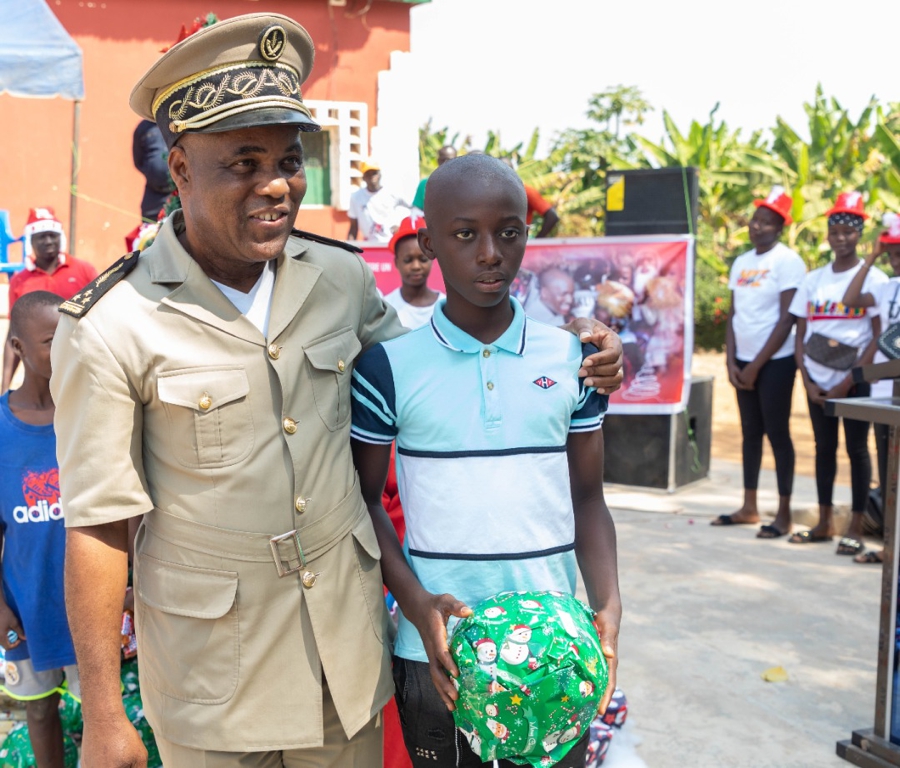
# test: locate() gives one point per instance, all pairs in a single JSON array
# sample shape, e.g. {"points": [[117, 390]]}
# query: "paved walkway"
{"points": [[708, 609]]}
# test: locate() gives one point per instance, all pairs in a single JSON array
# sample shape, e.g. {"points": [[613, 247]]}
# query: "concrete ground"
{"points": [[707, 610]]}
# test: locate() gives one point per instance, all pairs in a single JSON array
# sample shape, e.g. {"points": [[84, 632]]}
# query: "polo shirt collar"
{"points": [[512, 340]]}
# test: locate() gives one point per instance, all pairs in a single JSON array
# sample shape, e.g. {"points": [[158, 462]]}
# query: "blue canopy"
{"points": [[37, 56]]}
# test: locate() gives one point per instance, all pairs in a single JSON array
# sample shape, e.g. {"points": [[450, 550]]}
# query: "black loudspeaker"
{"points": [[656, 201], [665, 451]]}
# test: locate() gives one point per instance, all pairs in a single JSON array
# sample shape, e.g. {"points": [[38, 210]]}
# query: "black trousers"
{"points": [[431, 736], [856, 436], [766, 411]]}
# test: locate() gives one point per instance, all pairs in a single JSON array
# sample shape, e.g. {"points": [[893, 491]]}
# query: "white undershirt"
{"points": [[257, 302]]}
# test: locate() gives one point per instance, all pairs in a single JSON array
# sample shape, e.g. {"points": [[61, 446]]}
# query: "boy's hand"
{"points": [[8, 621], [430, 618], [607, 625], [603, 369]]}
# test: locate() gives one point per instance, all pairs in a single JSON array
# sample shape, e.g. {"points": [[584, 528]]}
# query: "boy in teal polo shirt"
{"points": [[499, 451]]}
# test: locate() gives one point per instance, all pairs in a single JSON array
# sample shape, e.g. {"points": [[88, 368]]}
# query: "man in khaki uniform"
{"points": [[209, 391]]}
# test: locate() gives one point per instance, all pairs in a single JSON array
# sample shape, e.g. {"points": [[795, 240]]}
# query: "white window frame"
{"points": [[347, 123]]}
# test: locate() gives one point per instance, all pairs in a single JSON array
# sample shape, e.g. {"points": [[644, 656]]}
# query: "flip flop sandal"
{"points": [[770, 532], [871, 557], [848, 546], [806, 537], [727, 520]]}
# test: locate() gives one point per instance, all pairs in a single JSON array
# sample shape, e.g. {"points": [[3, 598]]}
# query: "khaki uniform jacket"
{"points": [[171, 404]]}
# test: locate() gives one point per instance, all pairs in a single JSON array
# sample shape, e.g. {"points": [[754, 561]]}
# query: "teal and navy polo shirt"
{"points": [[481, 434]]}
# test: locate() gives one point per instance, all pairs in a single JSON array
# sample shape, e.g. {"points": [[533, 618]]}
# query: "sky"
{"points": [[513, 65]]}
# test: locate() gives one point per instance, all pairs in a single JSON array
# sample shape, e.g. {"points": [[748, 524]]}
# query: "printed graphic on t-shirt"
{"points": [[892, 305], [40, 491], [833, 310], [752, 278]]}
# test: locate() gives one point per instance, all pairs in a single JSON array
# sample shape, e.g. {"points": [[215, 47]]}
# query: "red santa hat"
{"points": [[483, 641], [42, 220], [779, 202], [849, 202], [892, 233], [409, 227]]}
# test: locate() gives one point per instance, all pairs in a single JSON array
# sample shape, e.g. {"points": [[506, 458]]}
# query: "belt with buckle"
{"points": [[294, 553], [307, 578]]}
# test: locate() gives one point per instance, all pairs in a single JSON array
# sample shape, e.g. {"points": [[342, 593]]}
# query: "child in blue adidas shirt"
{"points": [[499, 452], [33, 536]]}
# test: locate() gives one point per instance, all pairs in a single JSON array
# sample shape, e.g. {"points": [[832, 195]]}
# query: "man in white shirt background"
{"points": [[375, 212]]}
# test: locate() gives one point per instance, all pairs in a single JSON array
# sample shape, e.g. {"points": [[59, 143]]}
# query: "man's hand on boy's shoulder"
{"points": [[430, 615], [606, 622], [603, 369]]}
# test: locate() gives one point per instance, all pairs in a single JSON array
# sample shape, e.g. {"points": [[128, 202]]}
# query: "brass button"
{"points": [[205, 401], [490, 385], [300, 504], [274, 351], [290, 426], [341, 366], [486, 353], [308, 579]]}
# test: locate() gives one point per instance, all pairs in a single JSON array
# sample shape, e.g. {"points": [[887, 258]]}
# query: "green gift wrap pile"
{"points": [[16, 751], [531, 676]]}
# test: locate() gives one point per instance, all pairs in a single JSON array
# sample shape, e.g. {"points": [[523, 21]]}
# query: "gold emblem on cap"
{"points": [[271, 42]]}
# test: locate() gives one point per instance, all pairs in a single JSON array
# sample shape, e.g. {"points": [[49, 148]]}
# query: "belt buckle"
{"points": [[281, 566]]}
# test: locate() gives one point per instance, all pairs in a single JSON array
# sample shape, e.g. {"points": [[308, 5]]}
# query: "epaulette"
{"points": [[326, 240], [82, 301]]}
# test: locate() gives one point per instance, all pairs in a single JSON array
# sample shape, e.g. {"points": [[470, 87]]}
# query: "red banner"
{"points": [[641, 286]]}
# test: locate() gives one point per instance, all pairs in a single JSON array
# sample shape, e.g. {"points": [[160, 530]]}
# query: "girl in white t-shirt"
{"points": [[886, 299], [760, 357], [413, 300], [820, 309]]}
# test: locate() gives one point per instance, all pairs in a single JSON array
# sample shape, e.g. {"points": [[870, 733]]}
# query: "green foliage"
{"points": [[841, 154], [711, 301]]}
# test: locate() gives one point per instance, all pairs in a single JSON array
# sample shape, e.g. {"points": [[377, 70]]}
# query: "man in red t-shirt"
{"points": [[47, 268], [543, 208]]}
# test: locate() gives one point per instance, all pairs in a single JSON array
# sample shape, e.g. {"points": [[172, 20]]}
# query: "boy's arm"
{"points": [[595, 544], [428, 613], [8, 619]]}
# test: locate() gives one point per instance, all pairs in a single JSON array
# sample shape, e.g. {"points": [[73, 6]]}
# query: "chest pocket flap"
{"points": [[210, 387], [210, 423], [335, 353], [330, 367]]}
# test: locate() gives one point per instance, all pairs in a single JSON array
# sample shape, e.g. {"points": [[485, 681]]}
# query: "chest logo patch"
{"points": [[544, 382]]}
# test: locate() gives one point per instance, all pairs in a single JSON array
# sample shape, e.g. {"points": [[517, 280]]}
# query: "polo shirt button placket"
{"points": [[489, 374]]}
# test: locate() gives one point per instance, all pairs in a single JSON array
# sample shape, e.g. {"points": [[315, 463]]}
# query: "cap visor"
{"points": [[259, 117]]}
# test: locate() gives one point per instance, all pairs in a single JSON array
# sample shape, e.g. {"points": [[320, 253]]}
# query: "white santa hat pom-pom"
{"points": [[892, 222]]}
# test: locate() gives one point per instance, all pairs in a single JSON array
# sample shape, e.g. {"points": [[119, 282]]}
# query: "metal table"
{"points": [[879, 746]]}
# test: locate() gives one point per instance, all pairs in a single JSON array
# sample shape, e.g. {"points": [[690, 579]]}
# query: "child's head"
{"points": [[476, 208], [845, 223], [32, 323], [890, 240], [844, 231], [413, 265]]}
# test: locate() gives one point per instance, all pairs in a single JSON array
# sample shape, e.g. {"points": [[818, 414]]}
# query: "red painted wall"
{"points": [[120, 39]]}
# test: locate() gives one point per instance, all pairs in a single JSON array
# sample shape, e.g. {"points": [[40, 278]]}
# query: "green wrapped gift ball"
{"points": [[531, 676]]}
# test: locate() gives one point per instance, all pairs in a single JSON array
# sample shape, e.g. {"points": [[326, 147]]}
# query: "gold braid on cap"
{"points": [[214, 94]]}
